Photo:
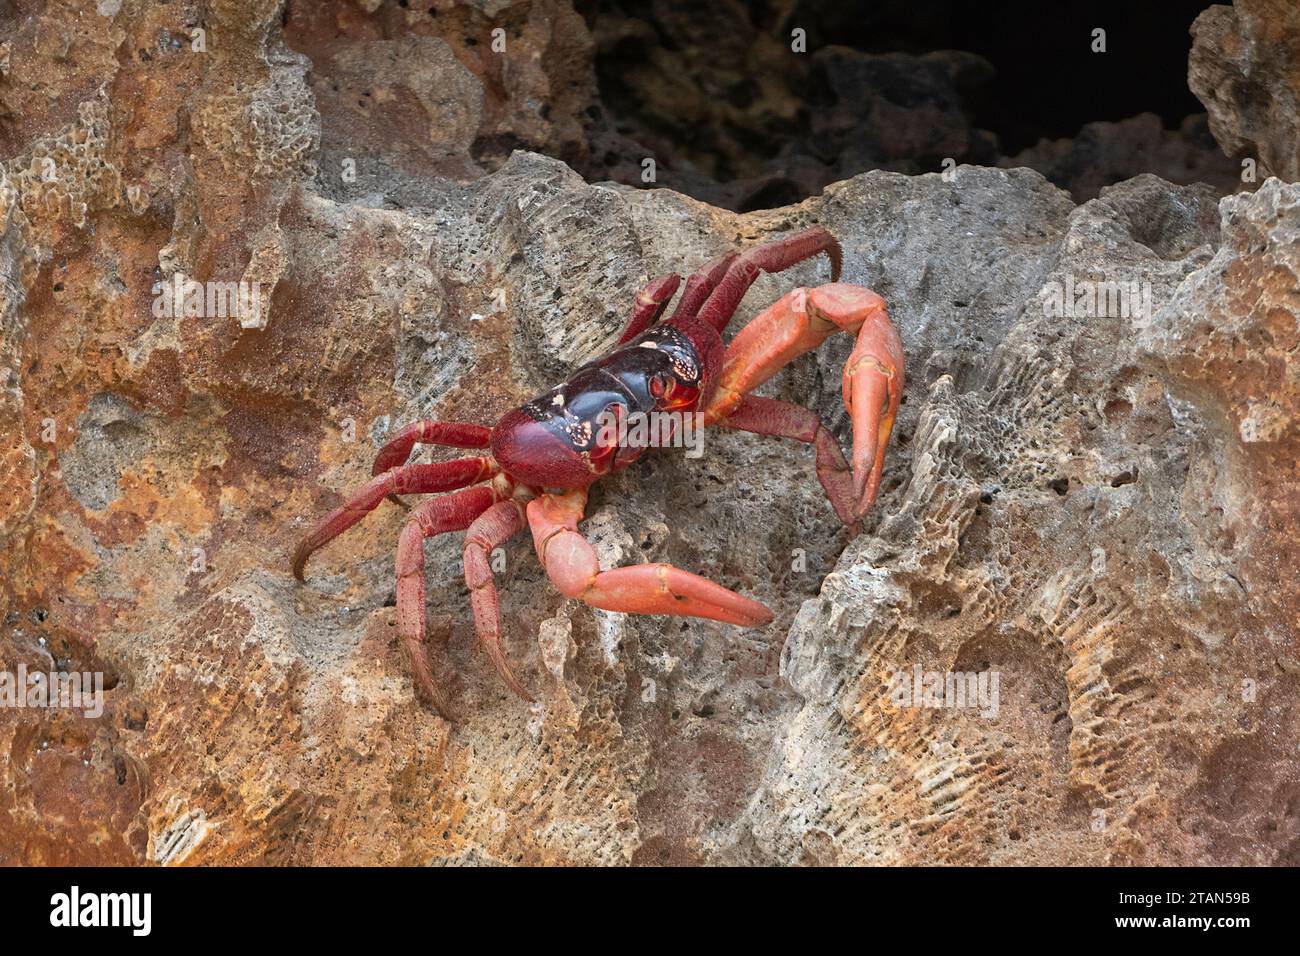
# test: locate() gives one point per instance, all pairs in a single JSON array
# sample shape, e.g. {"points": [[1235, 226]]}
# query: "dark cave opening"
{"points": [[1061, 84], [730, 113]]}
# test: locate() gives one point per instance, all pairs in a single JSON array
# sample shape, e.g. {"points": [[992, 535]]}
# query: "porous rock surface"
{"points": [[1244, 67], [1104, 153], [1099, 509]]}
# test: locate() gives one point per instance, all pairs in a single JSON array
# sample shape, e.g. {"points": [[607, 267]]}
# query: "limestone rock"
{"points": [[1103, 154], [1090, 492], [1243, 67]]}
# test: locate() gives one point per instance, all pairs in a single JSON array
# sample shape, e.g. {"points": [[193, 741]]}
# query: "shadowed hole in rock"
{"points": [[1125, 477]]}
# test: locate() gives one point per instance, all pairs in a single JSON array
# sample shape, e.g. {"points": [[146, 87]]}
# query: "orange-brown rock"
{"points": [[1094, 502]]}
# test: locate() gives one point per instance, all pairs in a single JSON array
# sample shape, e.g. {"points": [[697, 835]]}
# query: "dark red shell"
{"points": [[555, 440], [535, 455]]}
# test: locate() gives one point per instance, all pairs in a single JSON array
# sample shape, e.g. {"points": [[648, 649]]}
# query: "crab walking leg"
{"points": [[491, 529], [769, 257], [650, 304], [873, 375], [571, 564], [701, 284], [767, 416], [433, 517], [455, 434], [412, 479], [654, 298]]}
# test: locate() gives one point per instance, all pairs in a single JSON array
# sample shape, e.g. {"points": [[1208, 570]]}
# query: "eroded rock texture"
{"points": [[1244, 69], [1099, 508], [1079, 503], [1103, 154]]}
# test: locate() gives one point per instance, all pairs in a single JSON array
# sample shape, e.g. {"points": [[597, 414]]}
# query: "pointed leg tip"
{"points": [[427, 690], [440, 706], [745, 619], [851, 520], [513, 683], [862, 507], [445, 712], [860, 482], [493, 648], [864, 496]]}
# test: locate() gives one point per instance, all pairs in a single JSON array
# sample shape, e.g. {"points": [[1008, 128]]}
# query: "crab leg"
{"points": [[701, 285], [652, 300], [650, 304], [571, 563], [873, 375], [456, 434], [413, 479], [433, 517], [767, 416], [768, 257], [491, 529]]}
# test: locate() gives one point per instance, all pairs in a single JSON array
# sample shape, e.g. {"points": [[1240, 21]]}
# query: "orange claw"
{"points": [[873, 378], [664, 589], [571, 563]]}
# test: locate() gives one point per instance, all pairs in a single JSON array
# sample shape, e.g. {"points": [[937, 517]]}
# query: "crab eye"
{"points": [[658, 386]]}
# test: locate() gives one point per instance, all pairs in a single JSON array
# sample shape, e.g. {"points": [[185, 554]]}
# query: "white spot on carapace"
{"points": [[558, 399]]}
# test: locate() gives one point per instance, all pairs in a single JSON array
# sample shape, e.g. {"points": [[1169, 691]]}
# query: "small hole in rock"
{"points": [[1126, 477]]}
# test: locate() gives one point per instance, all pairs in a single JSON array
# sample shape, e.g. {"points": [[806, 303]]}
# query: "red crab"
{"points": [[540, 459]]}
